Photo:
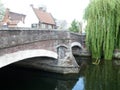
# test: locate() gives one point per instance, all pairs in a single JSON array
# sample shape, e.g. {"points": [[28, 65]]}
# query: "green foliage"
{"points": [[2, 10], [74, 26], [102, 31]]}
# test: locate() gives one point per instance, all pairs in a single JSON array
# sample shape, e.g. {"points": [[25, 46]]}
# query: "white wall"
{"points": [[21, 24]]}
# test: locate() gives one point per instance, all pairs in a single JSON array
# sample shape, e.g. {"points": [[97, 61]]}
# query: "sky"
{"points": [[60, 9]]}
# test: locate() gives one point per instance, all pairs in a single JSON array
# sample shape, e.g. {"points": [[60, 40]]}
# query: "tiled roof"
{"points": [[44, 16], [13, 18]]}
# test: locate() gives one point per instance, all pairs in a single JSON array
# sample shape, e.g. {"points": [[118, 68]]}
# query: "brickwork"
{"points": [[13, 40]]}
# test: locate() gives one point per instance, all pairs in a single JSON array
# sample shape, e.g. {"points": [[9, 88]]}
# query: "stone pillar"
{"points": [[65, 57]]}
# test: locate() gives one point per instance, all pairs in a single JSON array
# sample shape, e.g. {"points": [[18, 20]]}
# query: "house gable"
{"points": [[12, 19], [46, 21], [44, 17]]}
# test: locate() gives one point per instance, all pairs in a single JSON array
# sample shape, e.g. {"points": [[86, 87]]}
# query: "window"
{"points": [[34, 25], [49, 27], [43, 26]]}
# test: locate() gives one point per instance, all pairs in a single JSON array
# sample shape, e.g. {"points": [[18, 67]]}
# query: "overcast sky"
{"points": [[60, 9]]}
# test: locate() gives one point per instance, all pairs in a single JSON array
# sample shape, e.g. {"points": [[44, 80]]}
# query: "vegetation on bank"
{"points": [[75, 26], [103, 27]]}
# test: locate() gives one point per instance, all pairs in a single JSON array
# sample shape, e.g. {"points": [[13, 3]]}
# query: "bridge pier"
{"points": [[68, 64], [66, 59]]}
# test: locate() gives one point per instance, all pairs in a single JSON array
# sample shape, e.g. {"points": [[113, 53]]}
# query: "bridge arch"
{"points": [[74, 44], [76, 48], [21, 55]]}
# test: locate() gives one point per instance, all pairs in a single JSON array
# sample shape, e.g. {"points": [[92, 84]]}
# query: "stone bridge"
{"points": [[19, 44]]}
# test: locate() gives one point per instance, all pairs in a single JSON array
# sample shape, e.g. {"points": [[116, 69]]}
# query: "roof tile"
{"points": [[44, 16]]}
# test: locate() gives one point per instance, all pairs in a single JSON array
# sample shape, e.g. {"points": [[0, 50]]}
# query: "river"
{"points": [[105, 76]]}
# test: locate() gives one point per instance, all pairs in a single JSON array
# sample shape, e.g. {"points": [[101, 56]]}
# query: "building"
{"points": [[44, 19], [12, 19]]}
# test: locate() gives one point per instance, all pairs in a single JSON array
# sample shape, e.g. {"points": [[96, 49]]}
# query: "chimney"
{"points": [[7, 11], [6, 16], [32, 5]]}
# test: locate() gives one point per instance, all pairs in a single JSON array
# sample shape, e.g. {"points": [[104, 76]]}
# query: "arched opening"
{"points": [[78, 53], [21, 55], [37, 63], [76, 48], [61, 51]]}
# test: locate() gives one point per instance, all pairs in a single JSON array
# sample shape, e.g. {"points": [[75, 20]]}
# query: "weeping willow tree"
{"points": [[103, 27]]}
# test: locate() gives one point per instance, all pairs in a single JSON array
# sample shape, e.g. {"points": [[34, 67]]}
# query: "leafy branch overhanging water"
{"points": [[102, 30]]}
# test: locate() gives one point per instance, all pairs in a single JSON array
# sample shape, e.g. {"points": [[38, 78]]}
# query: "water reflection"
{"points": [[79, 85], [17, 78], [101, 77]]}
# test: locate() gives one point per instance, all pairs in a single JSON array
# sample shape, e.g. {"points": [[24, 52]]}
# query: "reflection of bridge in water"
{"points": [[21, 44]]}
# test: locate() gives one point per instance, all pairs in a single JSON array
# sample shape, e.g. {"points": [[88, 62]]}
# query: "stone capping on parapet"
{"points": [[27, 28]]}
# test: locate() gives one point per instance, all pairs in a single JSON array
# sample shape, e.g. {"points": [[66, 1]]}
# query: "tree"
{"points": [[103, 27], [2, 11], [74, 26]]}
